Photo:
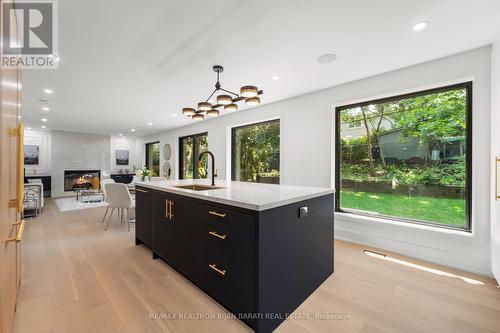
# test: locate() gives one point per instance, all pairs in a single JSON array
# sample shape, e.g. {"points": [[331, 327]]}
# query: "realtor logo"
{"points": [[29, 34]]}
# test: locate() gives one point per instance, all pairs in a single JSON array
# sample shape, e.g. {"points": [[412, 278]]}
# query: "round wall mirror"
{"points": [[167, 151], [167, 170]]}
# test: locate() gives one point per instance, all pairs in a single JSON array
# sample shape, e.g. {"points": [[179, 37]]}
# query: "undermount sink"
{"points": [[196, 187]]}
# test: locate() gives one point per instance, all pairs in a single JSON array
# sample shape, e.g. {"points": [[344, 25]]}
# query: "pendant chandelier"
{"points": [[227, 99]]}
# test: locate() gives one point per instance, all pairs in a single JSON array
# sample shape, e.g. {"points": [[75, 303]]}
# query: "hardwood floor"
{"points": [[78, 278]]}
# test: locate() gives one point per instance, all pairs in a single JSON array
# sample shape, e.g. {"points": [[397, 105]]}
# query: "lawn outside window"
{"points": [[411, 158]]}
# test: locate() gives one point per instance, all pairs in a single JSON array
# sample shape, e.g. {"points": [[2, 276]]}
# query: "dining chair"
{"points": [[118, 197], [103, 189]]}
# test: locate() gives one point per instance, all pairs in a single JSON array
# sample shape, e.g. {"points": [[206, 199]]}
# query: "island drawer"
{"points": [[232, 233], [233, 245], [231, 283], [220, 215]]}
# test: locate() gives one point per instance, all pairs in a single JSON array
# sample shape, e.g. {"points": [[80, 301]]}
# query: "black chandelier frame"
{"points": [[218, 87]]}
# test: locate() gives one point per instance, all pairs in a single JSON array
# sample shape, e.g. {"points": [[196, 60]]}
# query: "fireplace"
{"points": [[81, 179]]}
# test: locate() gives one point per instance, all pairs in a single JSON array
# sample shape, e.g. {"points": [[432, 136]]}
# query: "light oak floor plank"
{"points": [[79, 278]]}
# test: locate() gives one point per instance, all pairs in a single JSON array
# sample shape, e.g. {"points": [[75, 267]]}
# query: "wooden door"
{"points": [[11, 183]]}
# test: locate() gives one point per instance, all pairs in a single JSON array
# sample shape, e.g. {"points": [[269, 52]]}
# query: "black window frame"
{"points": [[147, 154], [468, 86], [195, 153], [233, 140]]}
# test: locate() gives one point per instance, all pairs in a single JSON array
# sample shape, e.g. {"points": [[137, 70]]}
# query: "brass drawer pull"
{"points": [[171, 215], [168, 209], [139, 190], [211, 212], [214, 233], [220, 271], [20, 233]]}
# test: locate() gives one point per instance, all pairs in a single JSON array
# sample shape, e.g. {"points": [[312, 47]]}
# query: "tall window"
{"points": [[411, 158], [190, 148], [256, 152], [153, 157]]}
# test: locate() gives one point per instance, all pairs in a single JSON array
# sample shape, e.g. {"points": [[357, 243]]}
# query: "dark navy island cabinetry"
{"points": [[259, 264], [144, 212]]}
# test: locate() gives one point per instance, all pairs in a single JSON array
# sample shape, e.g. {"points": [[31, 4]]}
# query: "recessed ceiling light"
{"points": [[174, 114], [327, 58], [44, 119], [150, 124], [48, 91], [132, 130], [45, 108], [419, 26], [120, 134], [43, 126], [28, 128], [276, 78]]}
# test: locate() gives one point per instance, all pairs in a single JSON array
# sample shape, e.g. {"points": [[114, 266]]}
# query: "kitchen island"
{"points": [[258, 249]]}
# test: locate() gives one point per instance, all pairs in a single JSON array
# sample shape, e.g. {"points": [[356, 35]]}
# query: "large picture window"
{"points": [[410, 159], [190, 148], [153, 157], [256, 152]]}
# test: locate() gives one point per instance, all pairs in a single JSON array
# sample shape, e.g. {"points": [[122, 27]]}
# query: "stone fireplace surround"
{"points": [[77, 152]]}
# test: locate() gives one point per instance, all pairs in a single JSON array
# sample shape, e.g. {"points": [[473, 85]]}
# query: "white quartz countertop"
{"points": [[251, 196]]}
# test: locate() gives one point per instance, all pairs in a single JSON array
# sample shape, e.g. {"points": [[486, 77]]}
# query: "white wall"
{"points": [[42, 139], [307, 154], [495, 151]]}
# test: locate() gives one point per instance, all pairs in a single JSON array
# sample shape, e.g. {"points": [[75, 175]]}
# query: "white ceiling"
{"points": [[126, 63]]}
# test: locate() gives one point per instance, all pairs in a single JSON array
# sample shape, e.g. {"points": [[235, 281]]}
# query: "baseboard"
{"points": [[413, 252]]}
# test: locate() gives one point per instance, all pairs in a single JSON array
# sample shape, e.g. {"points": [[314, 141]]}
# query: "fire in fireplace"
{"points": [[81, 179]]}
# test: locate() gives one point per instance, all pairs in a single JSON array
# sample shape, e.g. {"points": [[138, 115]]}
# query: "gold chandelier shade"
{"points": [[231, 107], [249, 91], [188, 111], [212, 113], [204, 106], [252, 101], [224, 99]]}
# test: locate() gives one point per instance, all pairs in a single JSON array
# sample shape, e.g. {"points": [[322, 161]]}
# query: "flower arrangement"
{"points": [[143, 173]]}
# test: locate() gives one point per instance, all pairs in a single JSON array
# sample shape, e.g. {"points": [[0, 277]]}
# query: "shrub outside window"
{"points": [[190, 148], [256, 152]]}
